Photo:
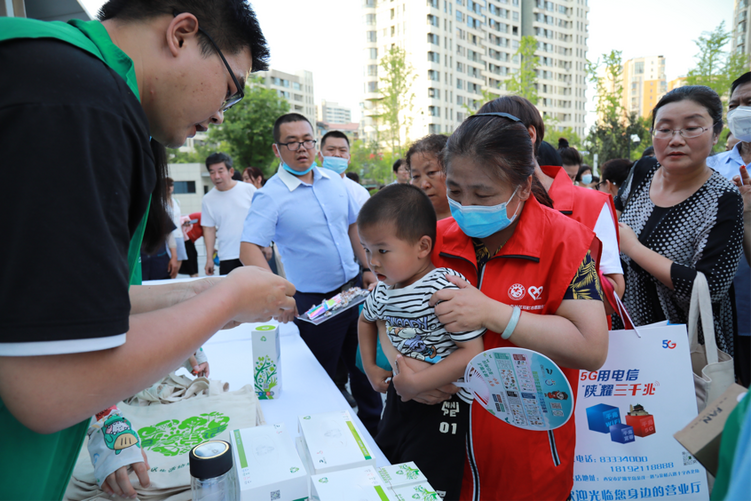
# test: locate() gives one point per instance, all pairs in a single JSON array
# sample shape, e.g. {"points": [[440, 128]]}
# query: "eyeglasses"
{"points": [[309, 144], [237, 96], [687, 133]]}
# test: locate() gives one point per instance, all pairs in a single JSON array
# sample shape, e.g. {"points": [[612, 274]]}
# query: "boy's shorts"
{"points": [[433, 436]]}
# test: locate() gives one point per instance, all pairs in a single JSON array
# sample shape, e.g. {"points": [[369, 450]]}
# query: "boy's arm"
{"points": [[367, 333], [408, 383]]}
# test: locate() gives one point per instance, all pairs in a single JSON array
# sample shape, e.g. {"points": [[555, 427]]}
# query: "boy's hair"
{"points": [[286, 119], [406, 207], [232, 24]]}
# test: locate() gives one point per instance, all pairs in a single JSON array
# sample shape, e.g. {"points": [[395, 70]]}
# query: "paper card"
{"points": [[335, 306], [521, 387]]}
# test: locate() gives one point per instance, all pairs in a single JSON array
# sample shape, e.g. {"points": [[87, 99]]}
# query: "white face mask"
{"points": [[739, 123]]}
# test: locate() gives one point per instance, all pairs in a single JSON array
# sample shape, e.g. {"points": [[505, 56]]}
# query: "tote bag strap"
{"points": [[620, 310], [701, 304]]}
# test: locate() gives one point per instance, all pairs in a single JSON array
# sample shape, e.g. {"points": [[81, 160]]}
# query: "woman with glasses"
{"points": [[679, 217]]}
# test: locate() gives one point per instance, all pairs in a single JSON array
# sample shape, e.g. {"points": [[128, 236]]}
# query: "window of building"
{"points": [[373, 53], [639, 67], [434, 75], [434, 111], [434, 21], [434, 129], [434, 39], [372, 86], [434, 93], [434, 57], [372, 70], [370, 19], [184, 187], [370, 36]]}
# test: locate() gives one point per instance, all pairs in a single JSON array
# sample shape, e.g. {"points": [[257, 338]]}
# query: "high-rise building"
{"points": [[741, 27], [460, 48], [296, 88], [644, 83], [333, 113]]}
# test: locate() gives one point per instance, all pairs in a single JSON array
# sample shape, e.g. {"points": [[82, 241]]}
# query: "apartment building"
{"points": [[644, 83], [460, 48], [741, 39], [296, 88], [333, 113]]}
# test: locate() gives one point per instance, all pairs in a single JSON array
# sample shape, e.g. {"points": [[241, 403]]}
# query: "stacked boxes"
{"points": [[392, 483], [267, 464], [605, 418], [267, 370], [332, 442]]}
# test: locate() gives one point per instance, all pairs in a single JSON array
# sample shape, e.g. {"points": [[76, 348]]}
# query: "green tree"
{"points": [[371, 164], [715, 67], [247, 132], [611, 135], [394, 106], [524, 82]]}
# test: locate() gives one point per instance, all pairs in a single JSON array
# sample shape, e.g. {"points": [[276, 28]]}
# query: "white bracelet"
{"points": [[515, 314]]}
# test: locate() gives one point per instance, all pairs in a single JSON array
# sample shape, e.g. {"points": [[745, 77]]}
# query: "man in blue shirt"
{"points": [[308, 212], [728, 164]]}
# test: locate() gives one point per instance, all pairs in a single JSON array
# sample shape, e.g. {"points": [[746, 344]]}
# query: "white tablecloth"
{"points": [[306, 388]]}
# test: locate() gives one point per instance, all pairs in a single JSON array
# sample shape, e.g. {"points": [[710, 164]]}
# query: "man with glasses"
{"points": [[311, 217], [102, 100]]}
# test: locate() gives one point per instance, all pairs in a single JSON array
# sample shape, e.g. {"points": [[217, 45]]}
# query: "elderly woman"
{"points": [[680, 217], [425, 162]]}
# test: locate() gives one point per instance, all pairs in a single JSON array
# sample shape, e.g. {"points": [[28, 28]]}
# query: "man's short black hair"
{"points": [[743, 79], [334, 133], [218, 158], [285, 119], [406, 207], [397, 164], [232, 24]]}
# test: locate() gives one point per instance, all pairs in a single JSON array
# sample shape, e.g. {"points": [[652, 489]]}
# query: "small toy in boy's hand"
{"points": [[337, 304]]}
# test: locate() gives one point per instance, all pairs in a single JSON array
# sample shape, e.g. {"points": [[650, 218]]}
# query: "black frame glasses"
{"points": [[237, 96], [300, 143]]}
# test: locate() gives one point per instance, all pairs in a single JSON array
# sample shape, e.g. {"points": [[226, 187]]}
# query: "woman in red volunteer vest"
{"points": [[592, 208], [533, 284]]}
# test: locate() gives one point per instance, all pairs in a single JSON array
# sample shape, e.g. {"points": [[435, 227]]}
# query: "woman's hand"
{"points": [[463, 309], [629, 240], [430, 397], [118, 482]]}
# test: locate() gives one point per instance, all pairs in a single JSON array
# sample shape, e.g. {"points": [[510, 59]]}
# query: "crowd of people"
{"points": [[468, 217]]}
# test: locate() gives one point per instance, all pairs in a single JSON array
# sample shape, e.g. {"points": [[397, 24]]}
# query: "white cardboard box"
{"points": [[267, 368], [333, 442], [267, 465], [400, 482]]}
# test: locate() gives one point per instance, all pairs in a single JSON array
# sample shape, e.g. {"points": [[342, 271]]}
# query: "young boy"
{"points": [[397, 228]]}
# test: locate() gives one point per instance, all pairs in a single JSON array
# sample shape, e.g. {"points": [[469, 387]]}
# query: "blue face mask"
{"points": [[586, 178], [297, 172], [481, 221], [338, 165]]}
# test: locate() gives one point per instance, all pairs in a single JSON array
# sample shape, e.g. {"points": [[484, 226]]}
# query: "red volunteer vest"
{"points": [[532, 270], [581, 204]]}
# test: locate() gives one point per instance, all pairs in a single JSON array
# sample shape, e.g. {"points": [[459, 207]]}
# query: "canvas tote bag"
{"points": [[713, 368], [168, 432]]}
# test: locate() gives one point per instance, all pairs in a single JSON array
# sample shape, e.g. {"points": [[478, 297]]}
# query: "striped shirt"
{"points": [[412, 325]]}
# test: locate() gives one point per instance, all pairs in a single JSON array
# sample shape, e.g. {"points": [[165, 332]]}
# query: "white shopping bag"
{"points": [[626, 415]]}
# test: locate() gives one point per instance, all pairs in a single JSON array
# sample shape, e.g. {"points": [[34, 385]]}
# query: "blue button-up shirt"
{"points": [[309, 224], [727, 163]]}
